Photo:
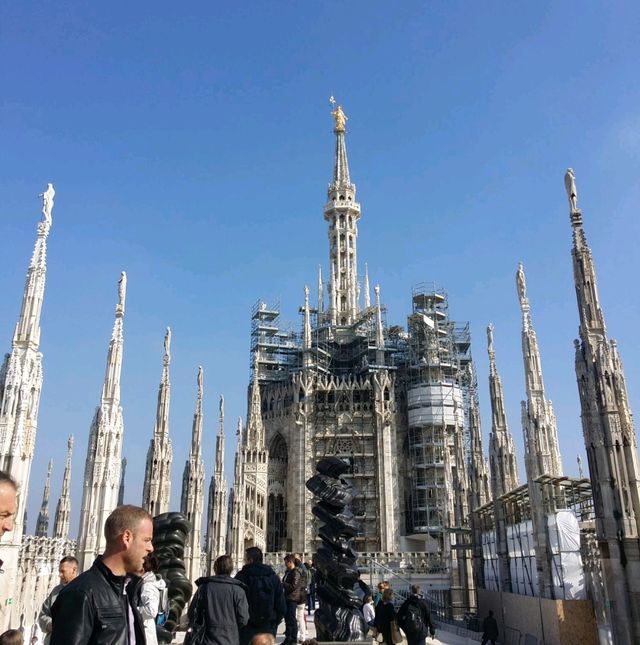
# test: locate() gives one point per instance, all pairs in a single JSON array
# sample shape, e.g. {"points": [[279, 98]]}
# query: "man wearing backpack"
{"points": [[265, 595], [414, 618]]}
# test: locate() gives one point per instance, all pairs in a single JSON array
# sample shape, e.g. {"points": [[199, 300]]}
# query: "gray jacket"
{"points": [[45, 621], [221, 602]]}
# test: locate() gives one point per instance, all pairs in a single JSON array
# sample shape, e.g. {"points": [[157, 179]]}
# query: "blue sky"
{"points": [[191, 146]]}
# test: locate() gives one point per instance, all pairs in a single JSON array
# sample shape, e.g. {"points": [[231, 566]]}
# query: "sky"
{"points": [[191, 145]]}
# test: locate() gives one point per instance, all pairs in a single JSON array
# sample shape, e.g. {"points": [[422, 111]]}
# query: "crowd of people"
{"points": [[121, 598]]}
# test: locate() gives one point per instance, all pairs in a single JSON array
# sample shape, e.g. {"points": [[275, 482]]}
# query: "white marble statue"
{"points": [[572, 191], [47, 202]]}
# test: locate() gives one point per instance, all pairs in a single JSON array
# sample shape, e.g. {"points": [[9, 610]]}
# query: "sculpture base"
{"points": [[339, 624]]}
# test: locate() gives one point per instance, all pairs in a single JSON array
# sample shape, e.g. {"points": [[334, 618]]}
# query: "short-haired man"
{"points": [[263, 639], [414, 618], [68, 571], [100, 606], [8, 502], [265, 596]]}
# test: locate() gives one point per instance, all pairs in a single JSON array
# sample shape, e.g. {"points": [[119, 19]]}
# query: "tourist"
{"points": [[11, 636], [294, 590], [79, 612], [67, 571], [149, 603], [381, 587], [300, 615], [368, 611], [263, 639], [265, 596], [222, 602], [414, 618], [311, 587], [385, 615], [490, 629], [8, 503]]}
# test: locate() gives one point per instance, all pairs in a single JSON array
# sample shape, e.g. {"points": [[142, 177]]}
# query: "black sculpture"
{"points": [[170, 531], [339, 617]]}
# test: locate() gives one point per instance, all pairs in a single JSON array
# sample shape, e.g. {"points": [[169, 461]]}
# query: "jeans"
{"points": [[291, 625], [302, 622], [311, 600]]}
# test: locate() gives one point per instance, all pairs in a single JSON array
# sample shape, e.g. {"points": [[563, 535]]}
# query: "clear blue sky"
{"points": [[191, 145]]}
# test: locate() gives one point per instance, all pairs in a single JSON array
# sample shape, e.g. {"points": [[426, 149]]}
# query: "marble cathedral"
{"points": [[400, 404]]}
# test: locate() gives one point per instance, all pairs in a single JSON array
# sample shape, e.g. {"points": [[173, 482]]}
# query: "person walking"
{"points": [[385, 615], [265, 596], [311, 587], [67, 571], [414, 618], [294, 592], [490, 629], [149, 604], [99, 607], [301, 618], [369, 611], [221, 604]]}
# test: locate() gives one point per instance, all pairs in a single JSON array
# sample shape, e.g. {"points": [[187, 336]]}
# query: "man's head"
{"points": [[68, 569], [290, 561], [490, 613], [415, 590], [253, 554], [263, 639], [8, 502], [128, 532], [297, 559], [223, 566]]}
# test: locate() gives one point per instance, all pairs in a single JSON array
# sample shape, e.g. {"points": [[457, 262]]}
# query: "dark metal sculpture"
{"points": [[339, 617], [170, 531]]}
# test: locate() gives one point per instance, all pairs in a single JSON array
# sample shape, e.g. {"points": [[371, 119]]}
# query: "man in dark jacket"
{"points": [[490, 629], [99, 606], [221, 603], [265, 596], [414, 618]]}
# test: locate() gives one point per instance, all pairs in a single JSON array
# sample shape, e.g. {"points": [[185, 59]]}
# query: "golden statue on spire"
{"points": [[338, 116]]}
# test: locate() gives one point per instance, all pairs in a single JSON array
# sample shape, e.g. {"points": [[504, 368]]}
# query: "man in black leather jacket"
{"points": [[99, 606]]}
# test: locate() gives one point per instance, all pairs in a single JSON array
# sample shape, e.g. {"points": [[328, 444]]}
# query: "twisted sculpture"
{"points": [[339, 617], [170, 531]]}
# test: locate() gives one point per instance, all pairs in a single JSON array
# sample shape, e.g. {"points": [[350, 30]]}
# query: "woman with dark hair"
{"points": [[220, 604], [385, 615], [11, 637], [150, 592]]}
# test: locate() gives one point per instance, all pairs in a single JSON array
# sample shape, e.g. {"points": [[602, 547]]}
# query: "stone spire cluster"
{"points": [[192, 499], [157, 478], [342, 212], [63, 509], [102, 475], [610, 439], [502, 456], [217, 510], [542, 452], [42, 523], [20, 387]]}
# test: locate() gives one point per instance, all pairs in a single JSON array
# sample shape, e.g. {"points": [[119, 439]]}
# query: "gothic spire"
{"points": [[379, 328], [255, 428], [306, 340], [220, 438], [192, 499], [157, 480], [504, 470], [342, 212], [27, 333], [104, 451], [367, 292], [63, 508], [610, 439], [542, 453], [479, 488], [320, 292], [42, 524]]}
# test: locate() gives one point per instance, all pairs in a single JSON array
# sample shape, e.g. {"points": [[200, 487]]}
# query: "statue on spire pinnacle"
{"points": [[490, 338], [167, 345], [572, 191], [221, 406], [122, 291], [47, 203], [338, 116], [521, 283], [200, 385]]}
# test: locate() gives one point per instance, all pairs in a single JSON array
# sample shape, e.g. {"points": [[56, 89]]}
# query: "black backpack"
{"points": [[260, 594], [411, 621]]}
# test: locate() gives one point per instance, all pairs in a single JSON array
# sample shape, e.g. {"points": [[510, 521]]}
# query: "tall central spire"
{"points": [[342, 212], [157, 479], [542, 453], [42, 525], [104, 452]]}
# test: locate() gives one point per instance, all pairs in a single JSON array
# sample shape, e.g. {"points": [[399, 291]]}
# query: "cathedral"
{"points": [[398, 403]]}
